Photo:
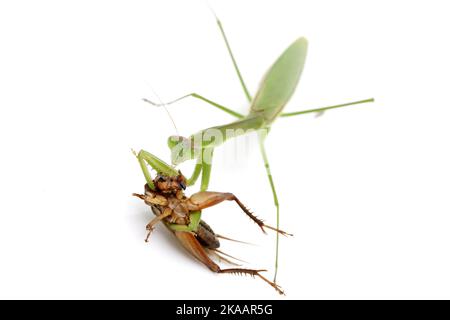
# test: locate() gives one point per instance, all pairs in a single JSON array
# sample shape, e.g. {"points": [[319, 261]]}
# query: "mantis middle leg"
{"points": [[203, 165], [145, 158]]}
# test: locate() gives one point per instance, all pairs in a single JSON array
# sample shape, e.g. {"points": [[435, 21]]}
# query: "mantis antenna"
{"points": [[162, 104]]}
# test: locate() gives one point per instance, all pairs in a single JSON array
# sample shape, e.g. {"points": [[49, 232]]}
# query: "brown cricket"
{"points": [[179, 213]]}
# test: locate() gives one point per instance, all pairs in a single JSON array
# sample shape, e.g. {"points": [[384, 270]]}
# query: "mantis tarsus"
{"points": [[266, 106]]}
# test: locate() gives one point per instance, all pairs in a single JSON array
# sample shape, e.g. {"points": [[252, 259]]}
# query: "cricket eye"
{"points": [[183, 185]]}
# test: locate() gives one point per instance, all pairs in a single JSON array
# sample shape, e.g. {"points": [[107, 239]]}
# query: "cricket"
{"points": [[182, 215], [165, 195]]}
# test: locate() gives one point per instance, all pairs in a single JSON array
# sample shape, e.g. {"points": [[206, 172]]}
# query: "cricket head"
{"points": [[170, 184]]}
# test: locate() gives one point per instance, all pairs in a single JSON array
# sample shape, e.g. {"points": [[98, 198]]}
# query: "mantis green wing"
{"points": [[280, 82]]}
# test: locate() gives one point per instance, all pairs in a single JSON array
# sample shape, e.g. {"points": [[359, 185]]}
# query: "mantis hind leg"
{"points": [[262, 136], [236, 68], [145, 157]]}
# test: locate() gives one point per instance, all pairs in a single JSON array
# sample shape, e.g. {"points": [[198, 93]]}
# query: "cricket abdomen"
{"points": [[206, 236]]}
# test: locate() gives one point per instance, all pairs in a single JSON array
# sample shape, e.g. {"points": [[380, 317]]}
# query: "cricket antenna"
{"points": [[162, 104], [211, 9]]}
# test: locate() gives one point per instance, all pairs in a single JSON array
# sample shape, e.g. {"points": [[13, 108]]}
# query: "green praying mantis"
{"points": [[182, 215], [275, 90]]}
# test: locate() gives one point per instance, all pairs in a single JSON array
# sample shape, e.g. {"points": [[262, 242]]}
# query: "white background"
{"points": [[364, 189]]}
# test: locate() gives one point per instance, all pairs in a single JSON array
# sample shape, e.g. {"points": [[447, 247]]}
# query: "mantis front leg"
{"points": [[203, 165], [236, 68], [145, 158], [262, 136]]}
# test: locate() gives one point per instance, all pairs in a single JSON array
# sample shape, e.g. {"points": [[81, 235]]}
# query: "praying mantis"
{"points": [[275, 90]]}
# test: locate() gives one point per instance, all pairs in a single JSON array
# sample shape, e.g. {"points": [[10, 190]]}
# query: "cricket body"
{"points": [[181, 214], [275, 90]]}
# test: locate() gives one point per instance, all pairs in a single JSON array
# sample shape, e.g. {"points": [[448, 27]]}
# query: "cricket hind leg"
{"points": [[262, 136], [194, 247], [222, 256], [206, 199], [253, 273]]}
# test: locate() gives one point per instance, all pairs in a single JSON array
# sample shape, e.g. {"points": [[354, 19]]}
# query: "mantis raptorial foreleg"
{"points": [[197, 96], [145, 158], [189, 241], [196, 173], [205, 199], [204, 163], [215, 104]]}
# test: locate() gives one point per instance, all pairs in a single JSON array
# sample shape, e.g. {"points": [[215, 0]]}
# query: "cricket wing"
{"points": [[279, 83]]}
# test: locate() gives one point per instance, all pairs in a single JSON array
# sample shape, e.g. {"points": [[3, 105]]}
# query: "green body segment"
{"points": [[162, 167], [159, 165], [195, 217]]}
